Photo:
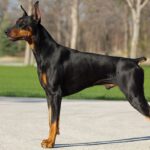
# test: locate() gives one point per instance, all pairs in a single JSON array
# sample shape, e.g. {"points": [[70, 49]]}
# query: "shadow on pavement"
{"points": [[119, 141]]}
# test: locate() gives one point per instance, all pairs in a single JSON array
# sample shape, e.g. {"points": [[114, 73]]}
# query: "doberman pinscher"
{"points": [[63, 71]]}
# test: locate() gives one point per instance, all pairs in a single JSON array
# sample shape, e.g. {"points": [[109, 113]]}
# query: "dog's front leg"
{"points": [[54, 103]]}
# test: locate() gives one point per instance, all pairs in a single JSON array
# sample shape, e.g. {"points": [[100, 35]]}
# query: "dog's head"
{"points": [[26, 25]]}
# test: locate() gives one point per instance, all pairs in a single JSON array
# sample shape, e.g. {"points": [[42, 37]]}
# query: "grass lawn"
{"points": [[23, 82]]}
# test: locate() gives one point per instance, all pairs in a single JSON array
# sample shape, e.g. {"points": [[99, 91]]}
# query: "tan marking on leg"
{"points": [[58, 131], [53, 131], [49, 115], [50, 142], [44, 79]]}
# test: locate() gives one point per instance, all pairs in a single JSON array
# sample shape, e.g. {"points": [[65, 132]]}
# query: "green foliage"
{"points": [[23, 82], [6, 46]]}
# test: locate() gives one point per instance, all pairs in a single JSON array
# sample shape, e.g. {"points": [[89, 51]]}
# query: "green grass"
{"points": [[23, 82], [20, 82]]}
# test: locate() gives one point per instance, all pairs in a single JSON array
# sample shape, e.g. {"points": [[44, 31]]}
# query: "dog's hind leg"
{"points": [[131, 83]]}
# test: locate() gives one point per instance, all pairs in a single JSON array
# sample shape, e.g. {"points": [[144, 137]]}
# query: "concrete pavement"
{"points": [[85, 125]]}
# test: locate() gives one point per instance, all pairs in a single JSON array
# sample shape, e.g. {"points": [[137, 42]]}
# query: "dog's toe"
{"points": [[47, 143]]}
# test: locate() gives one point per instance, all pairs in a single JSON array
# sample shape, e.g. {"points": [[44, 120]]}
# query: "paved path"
{"points": [[85, 125]]}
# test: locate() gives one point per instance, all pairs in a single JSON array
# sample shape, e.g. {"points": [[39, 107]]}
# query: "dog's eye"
{"points": [[22, 23]]}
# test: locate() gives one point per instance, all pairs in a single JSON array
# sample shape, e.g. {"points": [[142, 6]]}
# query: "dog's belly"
{"points": [[82, 71], [75, 81], [73, 88], [70, 87]]}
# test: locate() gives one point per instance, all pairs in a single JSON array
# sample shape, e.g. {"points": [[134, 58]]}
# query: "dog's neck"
{"points": [[42, 44], [41, 40]]}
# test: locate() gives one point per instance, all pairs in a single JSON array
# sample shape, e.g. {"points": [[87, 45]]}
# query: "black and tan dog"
{"points": [[63, 71]]}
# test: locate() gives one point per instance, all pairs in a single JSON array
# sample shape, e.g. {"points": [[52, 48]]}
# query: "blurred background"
{"points": [[97, 26], [111, 27]]}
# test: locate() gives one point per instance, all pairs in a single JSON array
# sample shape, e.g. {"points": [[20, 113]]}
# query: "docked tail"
{"points": [[140, 60]]}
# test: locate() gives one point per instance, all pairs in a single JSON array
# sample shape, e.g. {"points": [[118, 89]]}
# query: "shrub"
{"points": [[8, 47]]}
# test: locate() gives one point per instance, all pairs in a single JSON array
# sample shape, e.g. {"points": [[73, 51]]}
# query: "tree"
{"points": [[3, 10], [136, 7], [125, 18], [29, 58], [6, 46], [74, 19]]}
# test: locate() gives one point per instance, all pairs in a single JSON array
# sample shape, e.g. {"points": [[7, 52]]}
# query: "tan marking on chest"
{"points": [[31, 43], [44, 78], [32, 46]]}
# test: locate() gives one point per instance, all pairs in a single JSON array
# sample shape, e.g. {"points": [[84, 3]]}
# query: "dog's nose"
{"points": [[6, 32]]}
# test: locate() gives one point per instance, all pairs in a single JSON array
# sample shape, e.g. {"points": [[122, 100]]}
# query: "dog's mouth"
{"points": [[15, 35], [13, 39]]}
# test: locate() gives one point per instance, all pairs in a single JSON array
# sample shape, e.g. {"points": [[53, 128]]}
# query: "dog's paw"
{"points": [[47, 143]]}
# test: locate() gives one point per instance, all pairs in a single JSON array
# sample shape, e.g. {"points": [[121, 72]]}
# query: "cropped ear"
{"points": [[24, 12], [36, 12]]}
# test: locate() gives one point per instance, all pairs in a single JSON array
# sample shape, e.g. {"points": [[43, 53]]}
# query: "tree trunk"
{"points": [[126, 31], [27, 55], [136, 7], [74, 19], [29, 58], [59, 19], [135, 38]]}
